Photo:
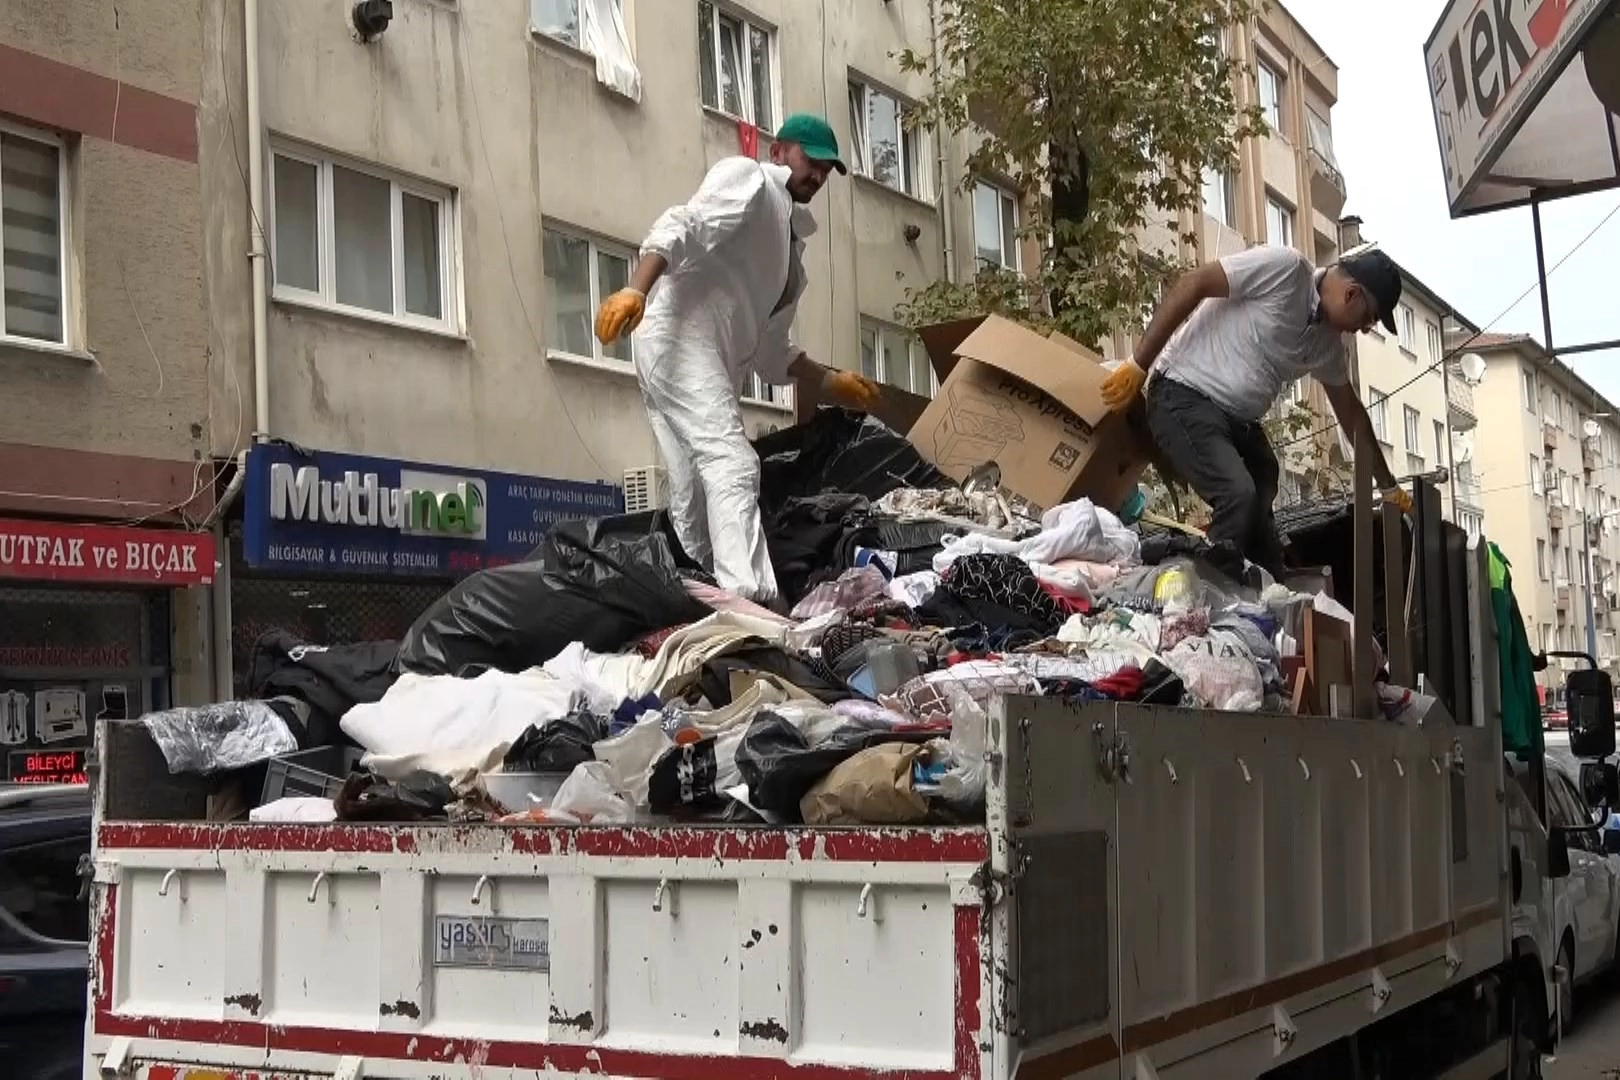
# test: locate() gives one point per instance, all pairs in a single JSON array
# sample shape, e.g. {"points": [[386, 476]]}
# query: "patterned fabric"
{"points": [[845, 636], [649, 645], [1005, 581], [1179, 628]]}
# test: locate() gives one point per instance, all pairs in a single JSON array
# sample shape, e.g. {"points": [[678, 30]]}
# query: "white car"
{"points": [[1587, 903]]}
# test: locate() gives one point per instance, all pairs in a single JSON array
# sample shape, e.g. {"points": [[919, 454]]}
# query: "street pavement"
{"points": [[1592, 1050]]}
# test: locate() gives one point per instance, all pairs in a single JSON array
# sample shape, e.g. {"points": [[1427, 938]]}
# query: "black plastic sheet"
{"points": [[595, 582], [843, 451], [780, 767], [558, 745], [421, 796]]}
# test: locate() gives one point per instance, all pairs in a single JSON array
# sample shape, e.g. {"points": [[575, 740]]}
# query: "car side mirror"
{"points": [[1591, 714], [1600, 785], [1557, 854]]}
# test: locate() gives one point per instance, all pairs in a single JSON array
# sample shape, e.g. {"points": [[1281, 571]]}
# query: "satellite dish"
{"points": [[1591, 429], [1602, 56], [1472, 366]]}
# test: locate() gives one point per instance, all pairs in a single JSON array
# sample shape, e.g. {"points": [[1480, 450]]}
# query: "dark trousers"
{"points": [[1227, 461]]}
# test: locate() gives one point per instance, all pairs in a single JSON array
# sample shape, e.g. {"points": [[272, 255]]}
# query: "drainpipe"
{"points": [[220, 617], [947, 229], [256, 252]]}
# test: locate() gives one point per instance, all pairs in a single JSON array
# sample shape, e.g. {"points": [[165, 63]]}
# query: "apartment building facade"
{"points": [[106, 352], [446, 198], [1550, 488], [1421, 399]]}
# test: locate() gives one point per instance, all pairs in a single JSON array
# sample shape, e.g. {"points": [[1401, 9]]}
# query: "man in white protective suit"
{"points": [[729, 270]]}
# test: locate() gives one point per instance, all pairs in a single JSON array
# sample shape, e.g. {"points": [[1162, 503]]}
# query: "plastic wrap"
{"points": [[217, 738], [961, 783], [589, 795]]}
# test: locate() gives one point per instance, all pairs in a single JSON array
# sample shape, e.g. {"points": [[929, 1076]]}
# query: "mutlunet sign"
{"points": [[451, 507]]}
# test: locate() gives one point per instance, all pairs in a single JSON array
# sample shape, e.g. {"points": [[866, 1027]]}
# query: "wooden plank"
{"points": [[1363, 697], [1397, 649]]}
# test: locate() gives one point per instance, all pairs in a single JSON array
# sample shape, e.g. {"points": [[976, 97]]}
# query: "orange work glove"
{"points": [[856, 391], [1122, 385], [1399, 498], [620, 314]]}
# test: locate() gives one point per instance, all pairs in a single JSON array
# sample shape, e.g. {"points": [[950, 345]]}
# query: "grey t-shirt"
{"points": [[1241, 351]]}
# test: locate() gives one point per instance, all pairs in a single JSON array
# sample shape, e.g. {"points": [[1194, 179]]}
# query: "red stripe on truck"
{"points": [[836, 845], [539, 1056]]}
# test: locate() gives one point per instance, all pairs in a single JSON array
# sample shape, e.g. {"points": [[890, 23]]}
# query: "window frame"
{"points": [[1406, 329], [1527, 390], [579, 28], [912, 140], [596, 246], [1227, 183], [1004, 196], [1442, 445], [1274, 111], [914, 351], [324, 296], [1436, 340], [65, 276], [1285, 215], [1541, 559], [1538, 485], [1412, 430], [748, 21], [1378, 413]]}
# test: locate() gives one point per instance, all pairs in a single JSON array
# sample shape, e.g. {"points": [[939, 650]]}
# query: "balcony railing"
{"points": [[1327, 180], [1460, 401]]}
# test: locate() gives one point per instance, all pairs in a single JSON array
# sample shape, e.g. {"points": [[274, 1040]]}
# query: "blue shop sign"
{"points": [[320, 513]]}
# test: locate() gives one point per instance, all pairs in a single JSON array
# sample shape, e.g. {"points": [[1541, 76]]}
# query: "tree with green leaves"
{"points": [[1104, 115]]}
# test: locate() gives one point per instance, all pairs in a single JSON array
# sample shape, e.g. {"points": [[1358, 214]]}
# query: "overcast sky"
{"points": [[1384, 137]]}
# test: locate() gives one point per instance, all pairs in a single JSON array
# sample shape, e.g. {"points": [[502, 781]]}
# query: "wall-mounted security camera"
{"points": [[371, 18]]}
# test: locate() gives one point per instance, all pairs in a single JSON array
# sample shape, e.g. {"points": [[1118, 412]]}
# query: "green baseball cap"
{"points": [[816, 137]]}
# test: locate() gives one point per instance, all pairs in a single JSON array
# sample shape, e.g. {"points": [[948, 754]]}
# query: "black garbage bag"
{"points": [[558, 745], [421, 796], [590, 581], [330, 679], [843, 451], [685, 778], [803, 537], [780, 767]]}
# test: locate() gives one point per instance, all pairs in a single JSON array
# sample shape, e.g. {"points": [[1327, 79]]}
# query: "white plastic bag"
{"points": [[589, 796], [962, 784], [1221, 675]]}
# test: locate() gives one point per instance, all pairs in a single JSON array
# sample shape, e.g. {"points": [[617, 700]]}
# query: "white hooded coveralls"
{"points": [[722, 311]]}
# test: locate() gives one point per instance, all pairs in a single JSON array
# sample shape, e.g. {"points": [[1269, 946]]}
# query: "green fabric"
{"points": [[1521, 705], [814, 136]]}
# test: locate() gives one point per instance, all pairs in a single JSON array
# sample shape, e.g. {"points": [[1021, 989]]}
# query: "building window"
{"points": [[1271, 94], [1541, 559], [362, 241], [737, 57], [892, 356], [1410, 421], [1378, 412], [761, 392], [556, 18], [1437, 346], [33, 237], [580, 273], [885, 150], [1415, 465], [1535, 475], [1405, 326], [995, 226], [1440, 455], [1218, 201], [1473, 523], [1528, 385], [1279, 223]]}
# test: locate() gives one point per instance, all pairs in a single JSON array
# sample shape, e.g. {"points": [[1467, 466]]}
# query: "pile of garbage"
{"points": [[605, 680]]}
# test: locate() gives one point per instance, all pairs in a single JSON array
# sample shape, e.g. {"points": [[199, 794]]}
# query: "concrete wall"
{"points": [[465, 97], [119, 415]]}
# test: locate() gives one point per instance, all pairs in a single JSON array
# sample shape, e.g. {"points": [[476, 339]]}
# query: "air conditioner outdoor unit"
{"points": [[646, 488]]}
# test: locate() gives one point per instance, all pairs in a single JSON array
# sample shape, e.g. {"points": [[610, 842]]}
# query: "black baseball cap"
{"points": [[1377, 273]]}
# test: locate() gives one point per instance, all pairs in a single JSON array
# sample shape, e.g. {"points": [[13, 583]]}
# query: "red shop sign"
{"points": [[45, 551]]}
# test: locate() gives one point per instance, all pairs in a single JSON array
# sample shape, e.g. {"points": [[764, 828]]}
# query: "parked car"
{"points": [[44, 929], [1591, 893]]}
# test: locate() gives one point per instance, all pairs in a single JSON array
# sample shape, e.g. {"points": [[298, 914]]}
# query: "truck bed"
{"points": [[1205, 894]]}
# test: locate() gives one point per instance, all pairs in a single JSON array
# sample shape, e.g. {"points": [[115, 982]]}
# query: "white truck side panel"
{"points": [[1256, 880]]}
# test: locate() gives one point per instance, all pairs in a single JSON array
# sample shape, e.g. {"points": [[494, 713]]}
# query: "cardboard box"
{"points": [[1030, 405]]}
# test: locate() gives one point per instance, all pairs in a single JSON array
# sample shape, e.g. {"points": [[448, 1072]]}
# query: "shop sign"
{"points": [[46, 767], [99, 554], [319, 513]]}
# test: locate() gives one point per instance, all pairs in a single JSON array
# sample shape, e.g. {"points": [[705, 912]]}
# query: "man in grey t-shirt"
{"points": [[1228, 337]]}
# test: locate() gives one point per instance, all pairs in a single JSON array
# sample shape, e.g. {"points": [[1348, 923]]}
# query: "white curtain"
{"points": [[605, 37]]}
